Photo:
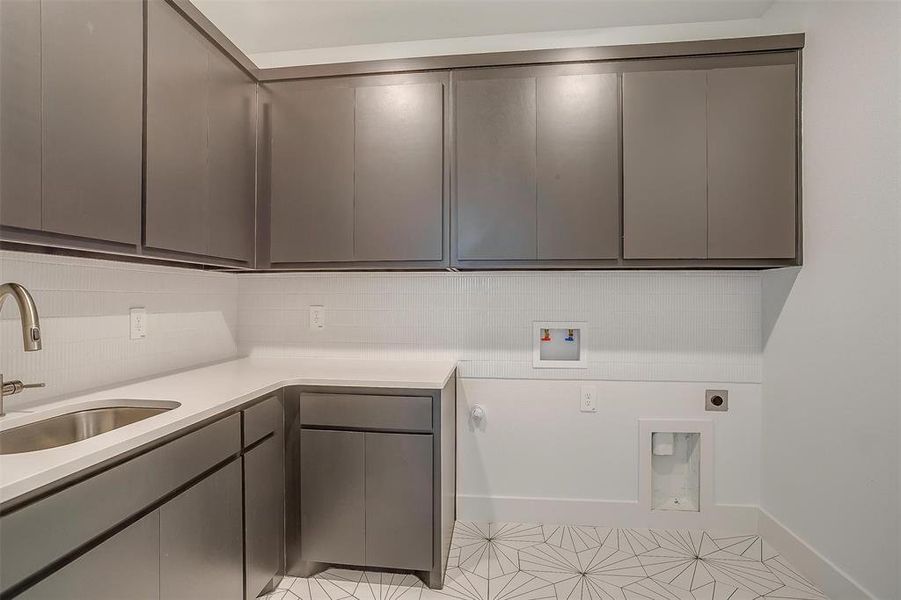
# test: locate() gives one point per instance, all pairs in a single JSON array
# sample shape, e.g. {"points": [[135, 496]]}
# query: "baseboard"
{"points": [[619, 513], [834, 582]]}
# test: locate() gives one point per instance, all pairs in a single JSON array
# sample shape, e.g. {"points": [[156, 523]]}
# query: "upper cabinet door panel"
{"points": [[312, 176], [20, 114], [231, 147], [665, 164], [92, 91], [752, 162], [495, 169], [177, 132], [578, 166], [399, 172]]}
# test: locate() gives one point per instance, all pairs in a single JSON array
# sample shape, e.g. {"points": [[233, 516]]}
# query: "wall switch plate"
{"points": [[137, 318], [317, 317], [716, 400], [589, 399]]}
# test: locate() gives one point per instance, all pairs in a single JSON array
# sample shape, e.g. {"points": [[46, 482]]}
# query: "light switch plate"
{"points": [[588, 399], [137, 323], [317, 317]]}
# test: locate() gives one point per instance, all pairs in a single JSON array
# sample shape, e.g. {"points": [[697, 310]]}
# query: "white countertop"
{"points": [[202, 392]]}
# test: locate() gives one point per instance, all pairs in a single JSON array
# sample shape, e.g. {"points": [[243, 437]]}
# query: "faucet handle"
{"points": [[14, 387]]}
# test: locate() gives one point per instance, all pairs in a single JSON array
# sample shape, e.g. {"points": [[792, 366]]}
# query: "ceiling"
{"points": [[264, 26]]}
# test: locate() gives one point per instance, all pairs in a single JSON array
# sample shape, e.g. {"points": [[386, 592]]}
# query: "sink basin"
{"points": [[74, 426]]}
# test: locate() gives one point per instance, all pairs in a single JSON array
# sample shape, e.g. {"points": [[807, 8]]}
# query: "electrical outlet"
{"points": [[137, 323], [589, 397], [317, 317]]}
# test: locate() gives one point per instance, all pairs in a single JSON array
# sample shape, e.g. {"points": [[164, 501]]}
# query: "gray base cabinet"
{"points": [[125, 567], [332, 497], [264, 496], [171, 523], [399, 510], [201, 551], [371, 474]]}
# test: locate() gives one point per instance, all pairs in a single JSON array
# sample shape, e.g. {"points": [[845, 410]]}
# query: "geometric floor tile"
{"points": [[514, 561]]}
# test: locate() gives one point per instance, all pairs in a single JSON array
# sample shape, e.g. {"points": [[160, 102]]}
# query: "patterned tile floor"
{"points": [[513, 561]]}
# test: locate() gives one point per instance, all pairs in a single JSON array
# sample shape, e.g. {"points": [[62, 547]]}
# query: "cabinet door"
{"points": [[331, 496], [312, 173], [578, 166], [20, 114], [399, 501], [264, 513], [124, 567], [495, 163], [177, 185], [231, 146], [92, 53], [201, 539], [665, 164], [399, 172], [752, 180]]}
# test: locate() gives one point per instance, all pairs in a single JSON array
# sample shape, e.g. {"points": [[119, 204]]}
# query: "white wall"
{"points": [[830, 428], [656, 341], [538, 455], [83, 306]]}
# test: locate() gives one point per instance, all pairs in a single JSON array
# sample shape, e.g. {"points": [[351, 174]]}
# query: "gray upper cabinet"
{"points": [[357, 171], [232, 142], [398, 175], [178, 65], [20, 114], [495, 168], [200, 143], [92, 53], [665, 164], [537, 165], [752, 176], [311, 173], [578, 166], [709, 161]]}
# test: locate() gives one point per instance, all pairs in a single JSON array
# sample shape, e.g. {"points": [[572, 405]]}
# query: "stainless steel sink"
{"points": [[74, 426]]}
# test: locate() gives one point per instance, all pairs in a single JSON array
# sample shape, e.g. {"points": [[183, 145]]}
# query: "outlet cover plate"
{"points": [[588, 399], [137, 319], [317, 317], [716, 400]]}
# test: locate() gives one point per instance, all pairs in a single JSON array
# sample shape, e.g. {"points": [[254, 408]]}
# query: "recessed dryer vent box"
{"points": [[559, 345]]}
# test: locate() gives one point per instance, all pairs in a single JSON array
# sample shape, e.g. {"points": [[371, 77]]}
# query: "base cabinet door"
{"points": [[201, 550], [331, 496], [124, 567], [399, 500], [264, 514]]}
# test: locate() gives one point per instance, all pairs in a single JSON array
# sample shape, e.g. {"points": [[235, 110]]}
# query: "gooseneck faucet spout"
{"points": [[28, 313]]}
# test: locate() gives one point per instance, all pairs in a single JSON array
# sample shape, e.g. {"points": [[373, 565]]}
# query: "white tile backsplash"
{"points": [[83, 306], [643, 325]]}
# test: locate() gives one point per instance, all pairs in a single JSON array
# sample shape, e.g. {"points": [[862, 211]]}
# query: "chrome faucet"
{"points": [[31, 334]]}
